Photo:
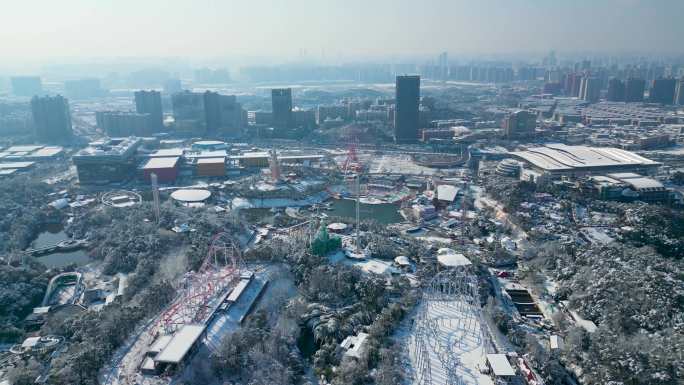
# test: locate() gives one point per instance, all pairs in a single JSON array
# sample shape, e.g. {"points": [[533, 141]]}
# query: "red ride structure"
{"points": [[352, 163], [200, 291]]}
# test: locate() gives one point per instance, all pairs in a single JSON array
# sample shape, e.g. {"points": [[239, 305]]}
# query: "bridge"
{"points": [[66, 245]]}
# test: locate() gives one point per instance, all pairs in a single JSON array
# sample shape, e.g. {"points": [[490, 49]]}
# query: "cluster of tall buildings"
{"points": [[146, 120], [630, 90], [207, 113], [291, 73], [588, 87], [663, 91]]}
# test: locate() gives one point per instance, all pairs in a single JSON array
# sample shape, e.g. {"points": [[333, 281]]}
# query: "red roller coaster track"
{"points": [[219, 269]]}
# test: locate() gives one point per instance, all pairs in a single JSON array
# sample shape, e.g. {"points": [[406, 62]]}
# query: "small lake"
{"points": [[385, 213], [52, 234]]}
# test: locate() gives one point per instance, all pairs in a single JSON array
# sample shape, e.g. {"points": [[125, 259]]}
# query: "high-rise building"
{"points": [[582, 87], [571, 84], [212, 112], [149, 102], [679, 94], [51, 119], [406, 116], [26, 85], [189, 113], [281, 102], [519, 124], [663, 91], [223, 114], [590, 89], [634, 90], [616, 90]]}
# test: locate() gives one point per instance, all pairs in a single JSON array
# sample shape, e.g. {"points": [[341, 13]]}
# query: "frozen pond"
{"points": [[52, 234]]}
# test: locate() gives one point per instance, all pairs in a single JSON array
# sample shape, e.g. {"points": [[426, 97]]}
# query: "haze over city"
{"points": [[436, 192], [32, 30]]}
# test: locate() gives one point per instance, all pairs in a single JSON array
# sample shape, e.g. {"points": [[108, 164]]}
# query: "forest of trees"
{"points": [[23, 280], [126, 241], [636, 298], [632, 289], [332, 302], [23, 209]]}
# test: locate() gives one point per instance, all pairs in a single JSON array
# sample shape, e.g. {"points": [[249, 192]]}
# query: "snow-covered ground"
{"points": [[446, 345], [397, 164]]}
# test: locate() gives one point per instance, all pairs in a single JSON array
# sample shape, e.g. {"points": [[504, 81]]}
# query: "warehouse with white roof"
{"points": [[555, 160]]}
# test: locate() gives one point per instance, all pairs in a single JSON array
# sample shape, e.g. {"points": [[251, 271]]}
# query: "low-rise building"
{"points": [[166, 169], [211, 166], [556, 160], [107, 161]]}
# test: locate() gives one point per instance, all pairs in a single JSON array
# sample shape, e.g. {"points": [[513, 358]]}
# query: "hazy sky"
{"points": [[32, 29]]}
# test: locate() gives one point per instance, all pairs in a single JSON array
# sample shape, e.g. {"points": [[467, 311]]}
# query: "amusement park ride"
{"points": [[351, 163], [201, 290]]}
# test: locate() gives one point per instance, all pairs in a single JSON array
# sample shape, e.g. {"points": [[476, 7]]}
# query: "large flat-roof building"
{"points": [[11, 168], [180, 344], [107, 161], [554, 160], [30, 153]]}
